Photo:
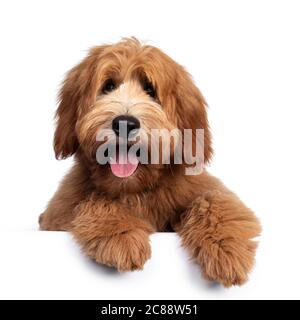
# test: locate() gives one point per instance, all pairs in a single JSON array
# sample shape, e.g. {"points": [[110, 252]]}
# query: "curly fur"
{"points": [[111, 218]]}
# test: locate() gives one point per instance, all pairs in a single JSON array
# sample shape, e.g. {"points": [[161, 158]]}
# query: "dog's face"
{"points": [[129, 85]]}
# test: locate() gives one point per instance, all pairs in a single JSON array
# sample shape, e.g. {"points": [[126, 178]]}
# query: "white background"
{"points": [[245, 58]]}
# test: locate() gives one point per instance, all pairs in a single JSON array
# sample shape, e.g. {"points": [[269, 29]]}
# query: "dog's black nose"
{"points": [[125, 123], [122, 124]]}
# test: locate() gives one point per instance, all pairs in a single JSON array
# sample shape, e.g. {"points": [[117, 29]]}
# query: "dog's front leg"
{"points": [[217, 230], [111, 235]]}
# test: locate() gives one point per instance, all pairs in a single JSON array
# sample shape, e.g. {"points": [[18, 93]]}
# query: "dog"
{"points": [[112, 208]]}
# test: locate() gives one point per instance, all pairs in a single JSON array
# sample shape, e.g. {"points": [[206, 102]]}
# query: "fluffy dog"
{"points": [[112, 209]]}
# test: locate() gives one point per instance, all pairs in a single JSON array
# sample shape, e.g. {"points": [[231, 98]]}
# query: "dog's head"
{"points": [[133, 86]]}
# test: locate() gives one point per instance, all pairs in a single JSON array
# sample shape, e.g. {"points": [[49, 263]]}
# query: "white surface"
{"points": [[244, 56], [48, 265]]}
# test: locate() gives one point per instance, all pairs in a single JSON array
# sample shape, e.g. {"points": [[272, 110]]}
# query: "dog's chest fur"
{"points": [[163, 206]]}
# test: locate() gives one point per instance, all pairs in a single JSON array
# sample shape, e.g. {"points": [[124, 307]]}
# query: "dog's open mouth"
{"points": [[124, 163]]}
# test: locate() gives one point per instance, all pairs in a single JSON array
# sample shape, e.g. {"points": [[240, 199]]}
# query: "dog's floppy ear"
{"points": [[191, 109], [65, 140], [77, 92]]}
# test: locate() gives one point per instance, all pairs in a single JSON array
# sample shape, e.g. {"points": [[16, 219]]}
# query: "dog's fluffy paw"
{"points": [[228, 261], [218, 231], [126, 251]]}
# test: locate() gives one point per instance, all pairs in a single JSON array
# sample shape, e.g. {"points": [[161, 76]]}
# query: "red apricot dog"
{"points": [[112, 208]]}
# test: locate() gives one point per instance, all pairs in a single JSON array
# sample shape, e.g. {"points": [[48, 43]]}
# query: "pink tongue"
{"points": [[123, 166]]}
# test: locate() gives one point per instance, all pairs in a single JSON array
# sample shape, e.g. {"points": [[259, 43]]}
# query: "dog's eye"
{"points": [[149, 89], [108, 86]]}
